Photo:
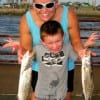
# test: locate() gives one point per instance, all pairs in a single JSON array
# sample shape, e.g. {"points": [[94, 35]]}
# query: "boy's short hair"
{"points": [[50, 28]]}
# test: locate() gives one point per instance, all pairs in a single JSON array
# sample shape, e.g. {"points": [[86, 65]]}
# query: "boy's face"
{"points": [[53, 43]]}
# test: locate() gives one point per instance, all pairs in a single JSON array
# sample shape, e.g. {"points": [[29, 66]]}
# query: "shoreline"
{"points": [[21, 11], [12, 11]]}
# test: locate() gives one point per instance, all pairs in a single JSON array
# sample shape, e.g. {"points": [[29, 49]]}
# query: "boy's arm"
{"points": [[71, 53]]}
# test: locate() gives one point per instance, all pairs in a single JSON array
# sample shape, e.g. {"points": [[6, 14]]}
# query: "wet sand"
{"points": [[9, 75]]}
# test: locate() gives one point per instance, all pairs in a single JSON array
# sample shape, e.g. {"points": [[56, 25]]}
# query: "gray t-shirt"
{"points": [[52, 75]]}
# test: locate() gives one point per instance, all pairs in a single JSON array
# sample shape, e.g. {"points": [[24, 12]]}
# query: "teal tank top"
{"points": [[35, 32]]}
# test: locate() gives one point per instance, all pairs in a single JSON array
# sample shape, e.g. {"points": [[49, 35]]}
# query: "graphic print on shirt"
{"points": [[52, 59]]}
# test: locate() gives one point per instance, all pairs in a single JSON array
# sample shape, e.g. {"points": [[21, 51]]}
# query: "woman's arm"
{"points": [[74, 32], [25, 36]]}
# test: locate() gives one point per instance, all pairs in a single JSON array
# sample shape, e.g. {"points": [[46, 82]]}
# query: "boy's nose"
{"points": [[54, 46]]}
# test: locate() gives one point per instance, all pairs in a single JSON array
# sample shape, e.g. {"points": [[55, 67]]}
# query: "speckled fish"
{"points": [[87, 77], [25, 77]]}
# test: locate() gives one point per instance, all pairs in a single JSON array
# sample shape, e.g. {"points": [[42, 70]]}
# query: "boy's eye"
{"points": [[58, 41]]}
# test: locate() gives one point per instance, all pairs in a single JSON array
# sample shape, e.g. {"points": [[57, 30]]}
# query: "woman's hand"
{"points": [[91, 40], [11, 43], [15, 45]]}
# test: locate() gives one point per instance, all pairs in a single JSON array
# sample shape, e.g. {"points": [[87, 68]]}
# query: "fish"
{"points": [[24, 85], [87, 77]]}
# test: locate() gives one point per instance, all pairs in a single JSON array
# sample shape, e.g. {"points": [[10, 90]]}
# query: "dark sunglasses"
{"points": [[47, 5]]}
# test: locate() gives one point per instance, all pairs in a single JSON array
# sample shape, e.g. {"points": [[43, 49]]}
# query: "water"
{"points": [[10, 25]]}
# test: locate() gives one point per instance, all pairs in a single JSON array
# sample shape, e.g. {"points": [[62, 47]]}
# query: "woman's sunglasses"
{"points": [[47, 5]]}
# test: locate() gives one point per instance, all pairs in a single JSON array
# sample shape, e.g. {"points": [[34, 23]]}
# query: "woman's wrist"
{"points": [[85, 45]]}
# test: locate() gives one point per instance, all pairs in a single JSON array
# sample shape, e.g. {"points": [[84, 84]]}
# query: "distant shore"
{"points": [[79, 12], [12, 11], [88, 13]]}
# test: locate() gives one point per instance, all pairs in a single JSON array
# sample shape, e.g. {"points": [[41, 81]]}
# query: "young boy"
{"points": [[52, 55]]}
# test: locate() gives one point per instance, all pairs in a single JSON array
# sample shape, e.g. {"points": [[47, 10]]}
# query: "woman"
{"points": [[44, 10]]}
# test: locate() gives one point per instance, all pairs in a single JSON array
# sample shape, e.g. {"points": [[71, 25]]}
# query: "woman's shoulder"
{"points": [[71, 13]]}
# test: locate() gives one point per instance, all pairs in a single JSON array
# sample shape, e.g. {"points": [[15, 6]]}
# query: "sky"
{"points": [[90, 1]]}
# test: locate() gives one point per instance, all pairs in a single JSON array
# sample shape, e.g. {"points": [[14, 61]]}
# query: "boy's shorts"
{"points": [[34, 79], [70, 80]]}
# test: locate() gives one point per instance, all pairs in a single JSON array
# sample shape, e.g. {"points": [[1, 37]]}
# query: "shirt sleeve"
{"points": [[72, 54]]}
